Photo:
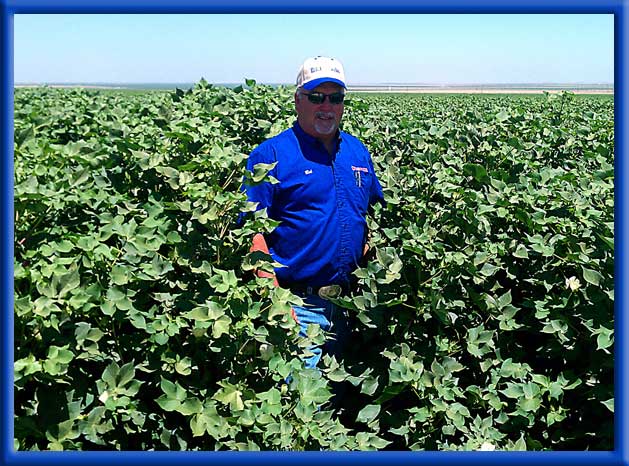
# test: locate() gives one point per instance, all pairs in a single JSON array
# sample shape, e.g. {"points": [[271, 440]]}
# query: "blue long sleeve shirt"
{"points": [[321, 201]]}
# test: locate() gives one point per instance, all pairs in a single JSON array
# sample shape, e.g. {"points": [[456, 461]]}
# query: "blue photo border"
{"points": [[8, 8]]}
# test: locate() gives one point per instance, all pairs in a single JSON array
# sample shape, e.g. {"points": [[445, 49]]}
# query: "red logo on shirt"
{"points": [[359, 169]]}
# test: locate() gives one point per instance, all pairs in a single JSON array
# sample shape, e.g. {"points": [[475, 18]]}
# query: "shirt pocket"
{"points": [[360, 189]]}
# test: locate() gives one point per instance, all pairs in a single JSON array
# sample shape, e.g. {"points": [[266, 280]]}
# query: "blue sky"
{"points": [[410, 48]]}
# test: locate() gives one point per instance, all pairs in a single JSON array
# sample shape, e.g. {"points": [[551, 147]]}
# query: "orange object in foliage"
{"points": [[259, 244]]}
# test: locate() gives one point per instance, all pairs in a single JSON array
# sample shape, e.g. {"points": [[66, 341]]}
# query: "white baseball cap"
{"points": [[319, 70]]}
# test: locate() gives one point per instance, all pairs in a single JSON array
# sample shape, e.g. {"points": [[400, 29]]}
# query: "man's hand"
{"points": [[259, 244]]}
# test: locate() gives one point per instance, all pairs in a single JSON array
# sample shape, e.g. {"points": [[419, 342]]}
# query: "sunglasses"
{"points": [[319, 97]]}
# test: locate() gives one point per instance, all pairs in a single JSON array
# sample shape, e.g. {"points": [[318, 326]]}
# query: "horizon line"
{"points": [[367, 84]]}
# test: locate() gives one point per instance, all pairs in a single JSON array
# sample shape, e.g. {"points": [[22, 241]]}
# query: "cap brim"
{"points": [[310, 85]]}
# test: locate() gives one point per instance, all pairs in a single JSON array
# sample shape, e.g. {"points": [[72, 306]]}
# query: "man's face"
{"points": [[319, 120]]}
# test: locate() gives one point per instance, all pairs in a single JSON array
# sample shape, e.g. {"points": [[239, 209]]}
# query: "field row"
{"points": [[483, 317]]}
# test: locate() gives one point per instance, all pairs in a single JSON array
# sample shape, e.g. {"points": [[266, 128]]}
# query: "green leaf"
{"points": [[260, 171], [221, 326], [271, 396], [120, 275], [521, 252], [369, 386], [605, 338], [478, 172], [126, 374], [64, 246], [168, 404], [173, 391], [209, 421], [110, 374], [311, 386], [591, 276], [183, 366], [190, 406], [502, 116], [115, 294], [529, 404], [504, 300], [108, 308], [230, 394], [513, 391], [609, 404], [488, 269], [69, 282], [368, 413]]}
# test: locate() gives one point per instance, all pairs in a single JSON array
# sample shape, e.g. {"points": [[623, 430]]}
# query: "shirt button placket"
{"points": [[344, 225]]}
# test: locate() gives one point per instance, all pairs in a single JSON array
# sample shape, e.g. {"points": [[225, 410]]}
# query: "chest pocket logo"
{"points": [[360, 175]]}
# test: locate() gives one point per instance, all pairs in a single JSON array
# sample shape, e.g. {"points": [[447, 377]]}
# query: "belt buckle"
{"points": [[330, 291]]}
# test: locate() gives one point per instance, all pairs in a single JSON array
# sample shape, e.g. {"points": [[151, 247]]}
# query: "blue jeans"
{"points": [[335, 322], [331, 318]]}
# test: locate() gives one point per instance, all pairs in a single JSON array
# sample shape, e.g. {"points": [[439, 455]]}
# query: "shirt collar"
{"points": [[303, 136]]}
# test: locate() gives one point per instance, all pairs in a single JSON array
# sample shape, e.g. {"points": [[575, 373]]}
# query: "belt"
{"points": [[324, 292]]}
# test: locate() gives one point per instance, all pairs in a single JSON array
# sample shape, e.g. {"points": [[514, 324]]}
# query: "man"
{"points": [[326, 186]]}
